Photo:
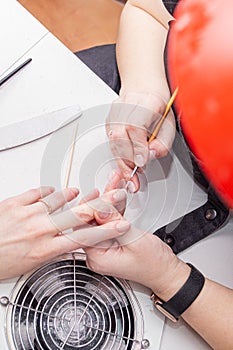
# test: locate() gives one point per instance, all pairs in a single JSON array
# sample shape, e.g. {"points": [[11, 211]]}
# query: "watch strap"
{"points": [[185, 295]]}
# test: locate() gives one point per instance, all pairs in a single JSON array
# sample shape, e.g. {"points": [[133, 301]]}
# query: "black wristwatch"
{"points": [[185, 296]]}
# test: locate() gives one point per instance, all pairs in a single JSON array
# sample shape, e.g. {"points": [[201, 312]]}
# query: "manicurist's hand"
{"points": [[131, 120], [141, 257], [144, 258]]}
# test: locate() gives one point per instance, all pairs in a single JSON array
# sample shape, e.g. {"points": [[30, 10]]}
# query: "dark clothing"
{"points": [[199, 223], [102, 61], [170, 5]]}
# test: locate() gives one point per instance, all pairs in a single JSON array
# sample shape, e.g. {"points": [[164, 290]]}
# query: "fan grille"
{"points": [[64, 305]]}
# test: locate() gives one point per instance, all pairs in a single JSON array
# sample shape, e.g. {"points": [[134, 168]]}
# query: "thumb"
{"points": [[161, 145]]}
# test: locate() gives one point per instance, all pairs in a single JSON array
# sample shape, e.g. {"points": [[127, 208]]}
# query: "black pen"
{"points": [[8, 76]]}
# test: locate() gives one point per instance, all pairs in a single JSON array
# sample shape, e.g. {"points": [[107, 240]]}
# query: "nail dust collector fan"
{"points": [[64, 305]]}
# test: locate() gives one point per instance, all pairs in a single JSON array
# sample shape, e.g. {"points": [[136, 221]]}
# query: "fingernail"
{"points": [[103, 214], [74, 190], [139, 160], [123, 226], [120, 195], [94, 192], [131, 187], [85, 217], [152, 154]]}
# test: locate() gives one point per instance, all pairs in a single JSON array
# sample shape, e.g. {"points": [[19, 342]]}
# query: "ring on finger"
{"points": [[49, 209]]}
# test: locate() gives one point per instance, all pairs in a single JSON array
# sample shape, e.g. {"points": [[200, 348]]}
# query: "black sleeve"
{"points": [[170, 5]]}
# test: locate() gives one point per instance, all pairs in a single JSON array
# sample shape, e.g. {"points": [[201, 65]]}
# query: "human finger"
{"points": [[55, 200], [115, 180], [120, 143], [32, 195], [109, 205], [126, 172], [90, 196], [116, 124], [104, 215], [122, 149], [90, 236], [119, 114], [117, 198], [110, 243], [163, 142], [84, 214], [138, 137], [137, 114]]}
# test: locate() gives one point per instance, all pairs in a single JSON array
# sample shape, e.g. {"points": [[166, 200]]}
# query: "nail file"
{"points": [[29, 130]]}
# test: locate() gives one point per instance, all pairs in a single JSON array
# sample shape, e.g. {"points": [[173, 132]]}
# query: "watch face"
{"points": [[165, 312]]}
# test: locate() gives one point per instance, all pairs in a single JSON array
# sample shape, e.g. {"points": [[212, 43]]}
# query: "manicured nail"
{"points": [[93, 193], [85, 217], [123, 226], [131, 187], [152, 154], [139, 160], [120, 195], [103, 214], [74, 190]]}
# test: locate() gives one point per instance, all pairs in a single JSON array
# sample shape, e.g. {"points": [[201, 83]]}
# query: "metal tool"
{"points": [[25, 131], [158, 126], [16, 70]]}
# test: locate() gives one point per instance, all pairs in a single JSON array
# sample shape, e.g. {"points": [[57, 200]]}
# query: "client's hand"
{"points": [[31, 231], [131, 120]]}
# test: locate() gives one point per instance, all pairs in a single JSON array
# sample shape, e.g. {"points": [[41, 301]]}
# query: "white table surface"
{"points": [[53, 80], [12, 47], [56, 79]]}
